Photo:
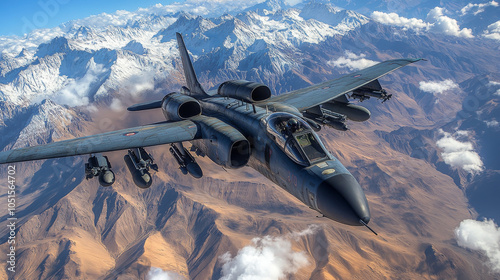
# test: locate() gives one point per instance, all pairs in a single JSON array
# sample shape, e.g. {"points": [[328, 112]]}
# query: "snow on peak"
{"points": [[48, 121], [269, 6], [331, 15], [56, 45], [135, 47], [89, 58]]}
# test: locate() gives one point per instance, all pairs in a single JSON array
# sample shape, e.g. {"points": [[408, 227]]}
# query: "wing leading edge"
{"points": [[315, 95], [141, 136]]}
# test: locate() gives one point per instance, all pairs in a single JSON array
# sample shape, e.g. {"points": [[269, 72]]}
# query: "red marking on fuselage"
{"points": [[130, 133]]}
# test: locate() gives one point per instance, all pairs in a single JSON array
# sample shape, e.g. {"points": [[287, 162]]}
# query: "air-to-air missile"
{"points": [[187, 163]]}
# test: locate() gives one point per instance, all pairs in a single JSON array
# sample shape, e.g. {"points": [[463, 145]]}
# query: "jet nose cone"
{"points": [[342, 199]]}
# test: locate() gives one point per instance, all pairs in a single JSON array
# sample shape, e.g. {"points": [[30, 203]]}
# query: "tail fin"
{"points": [[192, 82]]}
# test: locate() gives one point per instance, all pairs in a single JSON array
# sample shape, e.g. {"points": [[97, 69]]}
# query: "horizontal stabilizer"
{"points": [[145, 106]]}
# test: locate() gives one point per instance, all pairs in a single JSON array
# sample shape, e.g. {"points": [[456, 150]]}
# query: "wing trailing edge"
{"points": [[135, 137]]}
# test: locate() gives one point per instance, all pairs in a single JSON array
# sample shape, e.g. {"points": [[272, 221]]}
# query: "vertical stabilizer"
{"points": [[191, 80]]}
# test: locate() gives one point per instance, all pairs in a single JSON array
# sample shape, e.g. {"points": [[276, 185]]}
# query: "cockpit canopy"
{"points": [[296, 138]]}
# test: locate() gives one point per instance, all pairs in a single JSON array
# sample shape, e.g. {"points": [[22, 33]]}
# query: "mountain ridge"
{"points": [[72, 228]]}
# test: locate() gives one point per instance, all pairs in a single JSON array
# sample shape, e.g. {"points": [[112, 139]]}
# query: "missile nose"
{"points": [[342, 199], [107, 178], [194, 169], [146, 177]]}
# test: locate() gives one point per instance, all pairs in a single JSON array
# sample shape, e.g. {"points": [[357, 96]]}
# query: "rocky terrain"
{"points": [[427, 159]]}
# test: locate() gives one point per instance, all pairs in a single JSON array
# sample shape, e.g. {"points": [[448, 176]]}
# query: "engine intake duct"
{"points": [[177, 106], [244, 90], [222, 143]]}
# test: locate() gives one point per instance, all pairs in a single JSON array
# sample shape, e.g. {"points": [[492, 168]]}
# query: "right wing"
{"points": [[141, 136], [309, 97]]}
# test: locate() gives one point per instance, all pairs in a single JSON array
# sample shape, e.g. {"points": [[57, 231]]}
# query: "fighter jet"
{"points": [[241, 124]]}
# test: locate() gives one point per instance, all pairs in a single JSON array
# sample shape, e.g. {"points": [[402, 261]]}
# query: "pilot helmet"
{"points": [[292, 125]]}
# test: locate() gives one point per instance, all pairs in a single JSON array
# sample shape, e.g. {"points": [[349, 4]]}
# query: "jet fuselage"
{"points": [[324, 185]]}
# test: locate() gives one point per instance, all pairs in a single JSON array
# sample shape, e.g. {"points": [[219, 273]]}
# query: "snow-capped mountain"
{"points": [[98, 62], [420, 157]]}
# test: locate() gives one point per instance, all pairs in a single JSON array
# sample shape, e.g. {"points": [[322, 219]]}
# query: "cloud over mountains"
{"points": [[438, 87], [459, 154], [481, 236], [437, 21]]}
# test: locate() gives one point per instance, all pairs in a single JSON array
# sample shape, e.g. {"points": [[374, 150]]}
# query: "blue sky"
{"points": [[22, 16]]}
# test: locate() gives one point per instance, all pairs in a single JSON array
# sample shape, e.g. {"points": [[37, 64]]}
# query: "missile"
{"points": [[142, 178], [107, 178], [363, 94], [338, 125], [187, 163], [138, 162], [324, 116], [99, 166]]}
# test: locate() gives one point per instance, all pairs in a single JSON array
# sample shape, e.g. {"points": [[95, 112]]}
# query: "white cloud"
{"points": [[446, 25], [116, 105], [493, 31], [437, 87], [201, 7], [495, 84], [459, 154], [156, 273], [482, 236], [13, 45], [352, 61], [267, 258], [76, 92], [479, 8], [396, 20], [103, 20], [293, 2], [436, 22], [492, 123]]}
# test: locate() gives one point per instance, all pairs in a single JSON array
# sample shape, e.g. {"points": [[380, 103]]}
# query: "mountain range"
{"points": [[427, 159]]}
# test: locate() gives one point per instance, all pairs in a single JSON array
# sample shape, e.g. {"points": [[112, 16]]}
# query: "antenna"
{"points": [[363, 223]]}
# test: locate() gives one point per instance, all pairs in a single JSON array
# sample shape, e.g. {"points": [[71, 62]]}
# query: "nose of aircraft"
{"points": [[342, 199]]}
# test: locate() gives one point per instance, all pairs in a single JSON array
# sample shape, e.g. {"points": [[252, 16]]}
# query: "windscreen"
{"points": [[311, 147]]}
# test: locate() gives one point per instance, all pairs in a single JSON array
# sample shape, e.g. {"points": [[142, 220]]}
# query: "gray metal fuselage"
{"points": [[326, 186]]}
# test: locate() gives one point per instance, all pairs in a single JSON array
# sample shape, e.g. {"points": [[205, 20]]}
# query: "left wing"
{"points": [[141, 136], [309, 97]]}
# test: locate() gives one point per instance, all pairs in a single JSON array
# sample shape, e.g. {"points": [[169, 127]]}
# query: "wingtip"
{"points": [[4, 157]]}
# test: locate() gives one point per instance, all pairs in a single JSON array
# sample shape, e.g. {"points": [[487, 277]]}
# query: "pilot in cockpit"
{"points": [[292, 126]]}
